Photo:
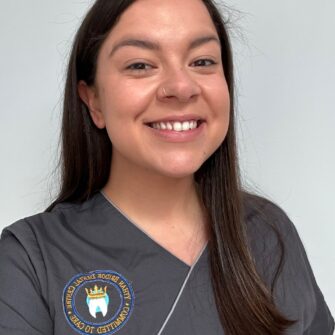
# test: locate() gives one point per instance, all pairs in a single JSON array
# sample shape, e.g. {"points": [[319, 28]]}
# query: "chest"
{"points": [[119, 291]]}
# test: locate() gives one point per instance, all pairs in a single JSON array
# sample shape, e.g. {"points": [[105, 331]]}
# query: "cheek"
{"points": [[220, 105], [224, 115], [122, 105], [124, 100], [219, 99], [215, 89]]}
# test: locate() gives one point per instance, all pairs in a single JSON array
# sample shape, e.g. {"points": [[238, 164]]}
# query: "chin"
{"points": [[179, 171]]}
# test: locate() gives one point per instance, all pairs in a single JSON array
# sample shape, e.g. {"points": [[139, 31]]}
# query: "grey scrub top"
{"points": [[87, 269]]}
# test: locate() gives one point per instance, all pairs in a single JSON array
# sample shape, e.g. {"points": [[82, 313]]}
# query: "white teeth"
{"points": [[176, 126], [186, 125]]}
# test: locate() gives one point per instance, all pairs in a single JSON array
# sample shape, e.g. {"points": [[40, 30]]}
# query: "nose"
{"points": [[178, 85]]}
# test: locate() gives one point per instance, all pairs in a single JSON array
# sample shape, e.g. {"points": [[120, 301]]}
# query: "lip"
{"points": [[178, 136]]}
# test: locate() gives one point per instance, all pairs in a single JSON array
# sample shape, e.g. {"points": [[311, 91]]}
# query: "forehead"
{"points": [[164, 20]]}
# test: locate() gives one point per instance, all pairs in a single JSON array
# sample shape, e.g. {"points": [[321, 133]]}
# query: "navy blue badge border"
{"points": [[131, 307]]}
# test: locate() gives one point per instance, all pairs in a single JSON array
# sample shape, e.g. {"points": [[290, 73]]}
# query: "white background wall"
{"points": [[285, 69]]}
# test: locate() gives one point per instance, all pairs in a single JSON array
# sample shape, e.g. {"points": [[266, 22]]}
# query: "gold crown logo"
{"points": [[97, 292]]}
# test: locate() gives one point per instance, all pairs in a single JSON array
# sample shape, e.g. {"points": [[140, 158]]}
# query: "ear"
{"points": [[89, 96]]}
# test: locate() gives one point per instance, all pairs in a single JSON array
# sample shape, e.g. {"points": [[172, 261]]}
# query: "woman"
{"points": [[151, 232]]}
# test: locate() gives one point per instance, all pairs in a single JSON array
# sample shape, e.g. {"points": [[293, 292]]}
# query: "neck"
{"points": [[153, 200]]}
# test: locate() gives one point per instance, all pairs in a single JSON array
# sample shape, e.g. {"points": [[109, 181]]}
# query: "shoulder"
{"points": [[259, 210], [64, 217], [67, 227], [267, 225], [272, 236], [282, 262], [36, 241]]}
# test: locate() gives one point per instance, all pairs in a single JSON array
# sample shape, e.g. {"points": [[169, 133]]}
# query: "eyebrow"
{"points": [[150, 45]]}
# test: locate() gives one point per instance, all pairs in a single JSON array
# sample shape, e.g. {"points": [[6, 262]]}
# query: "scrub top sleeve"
{"points": [[22, 307], [275, 241], [323, 322]]}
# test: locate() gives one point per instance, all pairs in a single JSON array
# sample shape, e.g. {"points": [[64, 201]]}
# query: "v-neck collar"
{"points": [[159, 247]]}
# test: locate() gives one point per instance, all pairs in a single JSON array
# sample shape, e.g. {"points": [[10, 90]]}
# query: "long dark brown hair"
{"points": [[244, 303]]}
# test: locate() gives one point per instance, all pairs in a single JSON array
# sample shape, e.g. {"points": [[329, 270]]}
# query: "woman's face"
{"points": [[160, 67]]}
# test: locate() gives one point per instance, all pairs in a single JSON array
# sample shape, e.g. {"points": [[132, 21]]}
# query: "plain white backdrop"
{"points": [[285, 76]]}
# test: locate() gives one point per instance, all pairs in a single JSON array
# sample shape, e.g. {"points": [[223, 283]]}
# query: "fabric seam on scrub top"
{"points": [[146, 234], [181, 291], [188, 273]]}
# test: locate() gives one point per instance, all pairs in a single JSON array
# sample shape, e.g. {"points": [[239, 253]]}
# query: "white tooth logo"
{"points": [[97, 300], [97, 305]]}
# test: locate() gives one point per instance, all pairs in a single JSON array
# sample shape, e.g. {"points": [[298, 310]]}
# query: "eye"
{"points": [[138, 67], [204, 61]]}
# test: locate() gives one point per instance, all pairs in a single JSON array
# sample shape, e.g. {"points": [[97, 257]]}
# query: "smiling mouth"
{"points": [[176, 125]]}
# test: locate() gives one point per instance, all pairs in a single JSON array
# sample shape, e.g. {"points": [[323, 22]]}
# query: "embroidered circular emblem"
{"points": [[98, 302]]}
